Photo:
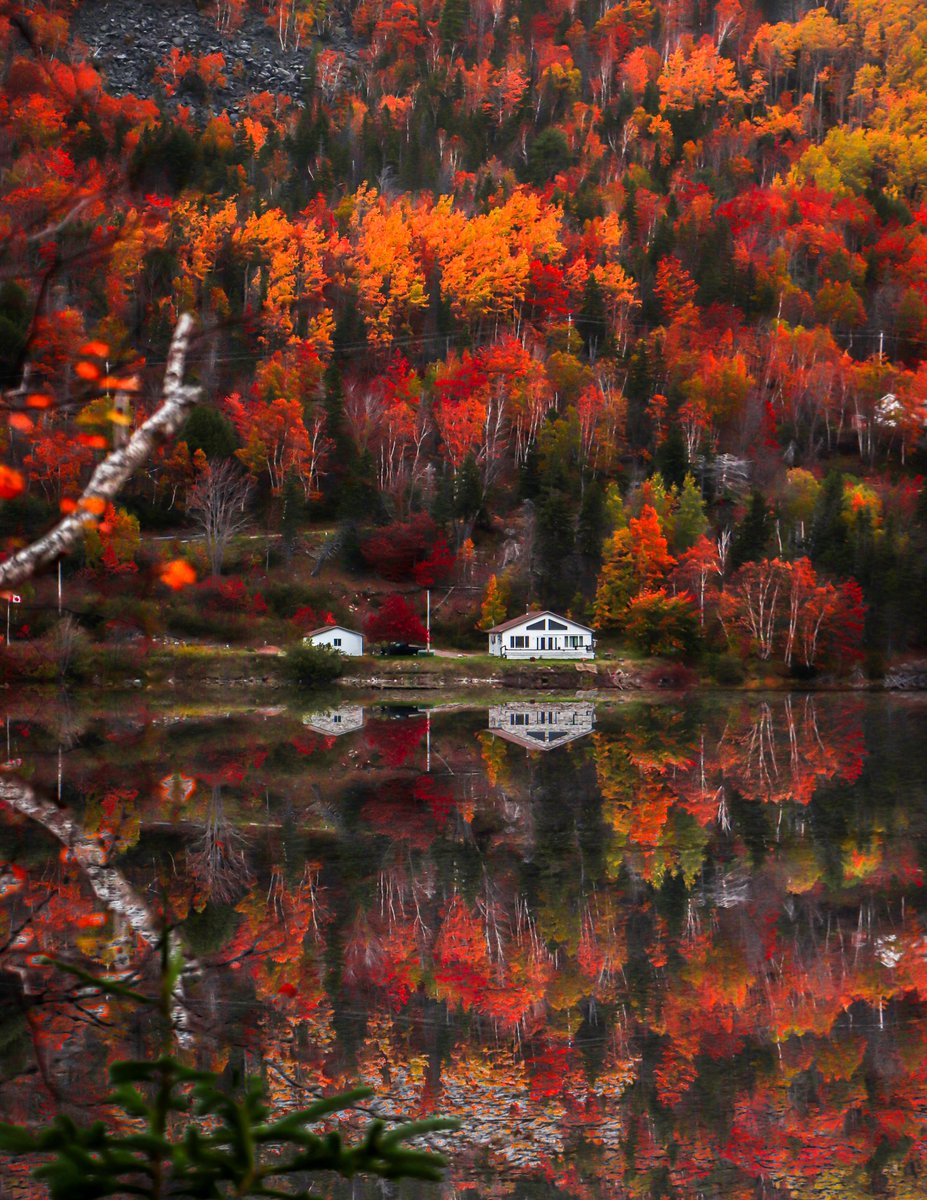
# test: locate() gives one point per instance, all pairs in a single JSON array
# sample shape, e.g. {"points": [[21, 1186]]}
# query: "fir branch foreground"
{"points": [[187, 1135]]}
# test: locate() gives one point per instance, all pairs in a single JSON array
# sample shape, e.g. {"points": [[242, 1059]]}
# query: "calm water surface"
{"points": [[642, 950]]}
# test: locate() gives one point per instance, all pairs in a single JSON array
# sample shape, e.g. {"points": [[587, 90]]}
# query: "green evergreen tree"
{"points": [[292, 506], [441, 509], [468, 490], [15, 316], [455, 15], [752, 535], [209, 430], [548, 155], [359, 495], [690, 519], [554, 538], [672, 457], [828, 539], [639, 387], [592, 525], [592, 323], [344, 451]]}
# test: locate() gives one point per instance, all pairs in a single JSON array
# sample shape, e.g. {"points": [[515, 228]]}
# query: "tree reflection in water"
{"points": [[216, 859], [682, 956]]}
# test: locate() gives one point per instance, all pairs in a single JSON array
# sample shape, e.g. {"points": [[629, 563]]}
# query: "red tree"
{"points": [[396, 621]]}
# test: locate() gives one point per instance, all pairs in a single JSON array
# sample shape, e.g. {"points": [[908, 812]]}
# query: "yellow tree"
{"points": [[493, 608], [637, 557], [389, 273]]}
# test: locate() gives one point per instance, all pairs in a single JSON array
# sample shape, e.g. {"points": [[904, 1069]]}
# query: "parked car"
{"points": [[402, 650]]}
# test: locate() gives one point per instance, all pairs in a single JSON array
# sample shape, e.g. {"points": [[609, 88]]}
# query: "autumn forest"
{"points": [[392, 312], [617, 310]]}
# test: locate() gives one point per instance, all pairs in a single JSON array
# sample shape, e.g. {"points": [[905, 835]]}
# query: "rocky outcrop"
{"points": [[127, 40]]}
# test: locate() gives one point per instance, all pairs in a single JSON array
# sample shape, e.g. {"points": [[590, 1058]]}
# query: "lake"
{"points": [[642, 949]]}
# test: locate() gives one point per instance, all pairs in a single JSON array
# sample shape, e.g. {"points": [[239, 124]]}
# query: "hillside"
{"points": [[618, 310]]}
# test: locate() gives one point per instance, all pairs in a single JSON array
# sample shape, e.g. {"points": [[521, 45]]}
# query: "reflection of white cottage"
{"points": [[332, 722], [338, 638], [539, 726], [542, 635]]}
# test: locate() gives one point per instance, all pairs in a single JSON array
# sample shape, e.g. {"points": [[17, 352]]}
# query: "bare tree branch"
{"points": [[108, 884], [116, 469], [218, 504]]}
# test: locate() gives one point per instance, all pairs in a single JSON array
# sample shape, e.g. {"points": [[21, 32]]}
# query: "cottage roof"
{"points": [[534, 616], [329, 628]]}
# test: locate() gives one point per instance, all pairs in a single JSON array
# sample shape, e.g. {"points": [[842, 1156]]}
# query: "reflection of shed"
{"points": [[332, 722], [539, 726]]}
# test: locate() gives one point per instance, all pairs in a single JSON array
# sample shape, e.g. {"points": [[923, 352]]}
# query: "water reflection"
{"points": [[683, 956], [542, 726], [346, 718]]}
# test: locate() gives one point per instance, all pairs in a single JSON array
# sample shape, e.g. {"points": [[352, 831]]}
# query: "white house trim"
{"points": [[338, 637], [542, 635]]}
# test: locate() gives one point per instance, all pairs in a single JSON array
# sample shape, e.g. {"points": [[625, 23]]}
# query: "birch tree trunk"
{"points": [[111, 475]]}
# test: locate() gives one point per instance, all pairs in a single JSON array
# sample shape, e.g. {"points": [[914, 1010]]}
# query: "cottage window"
{"points": [[518, 642], [336, 641], [555, 625]]}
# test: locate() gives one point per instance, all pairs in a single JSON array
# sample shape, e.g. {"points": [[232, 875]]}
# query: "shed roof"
{"points": [[329, 628]]}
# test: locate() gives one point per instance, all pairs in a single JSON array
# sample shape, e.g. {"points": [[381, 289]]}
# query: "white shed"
{"points": [[542, 635], [348, 641]]}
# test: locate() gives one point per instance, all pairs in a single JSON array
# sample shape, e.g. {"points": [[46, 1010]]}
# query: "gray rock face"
{"points": [[127, 40]]}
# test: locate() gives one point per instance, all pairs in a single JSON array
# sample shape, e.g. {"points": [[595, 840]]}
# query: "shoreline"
{"points": [[176, 667]]}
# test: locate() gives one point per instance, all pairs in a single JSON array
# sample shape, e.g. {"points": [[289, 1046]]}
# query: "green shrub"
{"points": [[726, 669], [285, 599], [132, 612], [313, 666], [185, 621]]}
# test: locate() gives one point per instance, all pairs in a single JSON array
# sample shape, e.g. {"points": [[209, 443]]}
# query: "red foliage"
{"points": [[437, 566], [308, 617], [395, 621], [395, 551], [231, 596], [396, 740], [440, 802]]}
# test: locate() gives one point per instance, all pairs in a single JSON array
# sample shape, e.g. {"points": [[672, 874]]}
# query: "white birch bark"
{"points": [[111, 475]]}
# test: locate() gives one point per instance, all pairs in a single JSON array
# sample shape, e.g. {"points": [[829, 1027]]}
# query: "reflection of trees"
{"points": [[786, 753], [651, 993], [107, 882], [109, 885], [217, 858]]}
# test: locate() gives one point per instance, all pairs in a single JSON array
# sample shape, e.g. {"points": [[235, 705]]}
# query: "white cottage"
{"points": [[348, 641], [540, 726], [542, 635]]}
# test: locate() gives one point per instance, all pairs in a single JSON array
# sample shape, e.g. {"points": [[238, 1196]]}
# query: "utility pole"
{"points": [[428, 620]]}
